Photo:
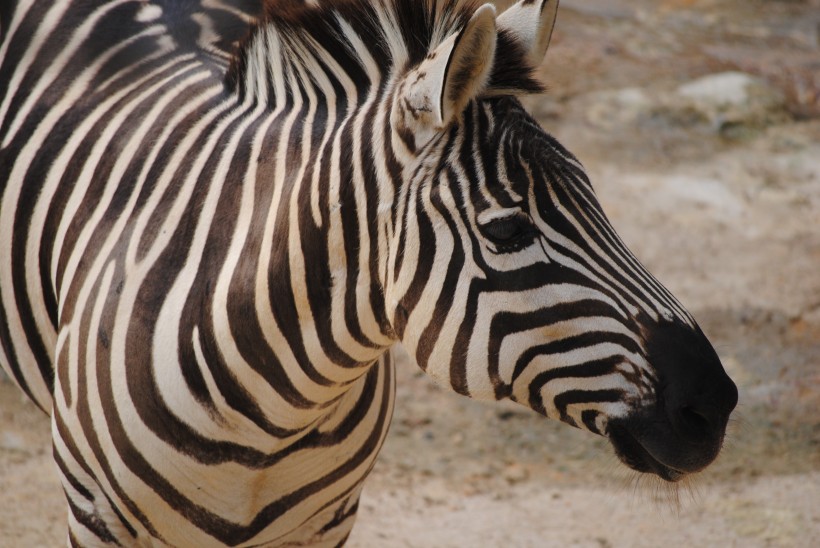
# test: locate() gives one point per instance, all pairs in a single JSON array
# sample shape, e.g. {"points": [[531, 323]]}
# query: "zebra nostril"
{"points": [[695, 421]]}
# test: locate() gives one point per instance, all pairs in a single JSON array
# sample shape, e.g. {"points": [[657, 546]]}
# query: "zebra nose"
{"points": [[697, 395], [704, 414], [682, 431]]}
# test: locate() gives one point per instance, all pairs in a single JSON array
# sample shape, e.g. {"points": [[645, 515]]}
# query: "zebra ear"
{"points": [[437, 90], [531, 22]]}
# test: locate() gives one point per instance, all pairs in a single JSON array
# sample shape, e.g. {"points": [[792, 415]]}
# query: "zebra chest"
{"points": [[188, 404], [194, 474]]}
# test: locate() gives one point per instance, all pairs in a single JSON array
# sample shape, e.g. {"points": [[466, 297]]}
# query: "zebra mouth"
{"points": [[636, 456]]}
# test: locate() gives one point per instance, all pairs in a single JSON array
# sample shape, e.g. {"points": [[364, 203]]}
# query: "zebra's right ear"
{"points": [[531, 22], [435, 92]]}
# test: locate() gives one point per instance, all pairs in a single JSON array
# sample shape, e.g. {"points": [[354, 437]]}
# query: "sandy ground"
{"points": [[721, 200]]}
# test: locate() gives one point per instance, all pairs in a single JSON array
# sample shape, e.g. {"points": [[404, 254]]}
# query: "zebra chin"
{"points": [[682, 431], [643, 447]]}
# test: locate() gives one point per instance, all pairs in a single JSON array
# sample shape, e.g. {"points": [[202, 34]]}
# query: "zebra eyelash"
{"points": [[509, 233]]}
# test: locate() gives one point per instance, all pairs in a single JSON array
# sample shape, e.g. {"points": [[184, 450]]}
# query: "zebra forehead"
{"points": [[499, 134]]}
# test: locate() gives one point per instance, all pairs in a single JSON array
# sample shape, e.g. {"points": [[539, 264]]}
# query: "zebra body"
{"points": [[211, 254]]}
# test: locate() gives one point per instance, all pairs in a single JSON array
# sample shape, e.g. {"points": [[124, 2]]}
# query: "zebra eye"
{"points": [[508, 230]]}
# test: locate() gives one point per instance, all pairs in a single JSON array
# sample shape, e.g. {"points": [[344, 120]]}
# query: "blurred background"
{"points": [[699, 124]]}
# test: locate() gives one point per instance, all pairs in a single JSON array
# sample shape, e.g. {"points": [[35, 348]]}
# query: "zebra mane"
{"points": [[294, 37]]}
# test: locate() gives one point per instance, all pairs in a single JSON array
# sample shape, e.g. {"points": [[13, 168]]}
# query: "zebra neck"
{"points": [[311, 273]]}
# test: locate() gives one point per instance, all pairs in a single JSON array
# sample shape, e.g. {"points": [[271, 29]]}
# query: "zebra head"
{"points": [[505, 278]]}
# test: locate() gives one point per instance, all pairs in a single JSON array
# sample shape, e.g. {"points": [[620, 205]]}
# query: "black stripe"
{"points": [[564, 400], [93, 523]]}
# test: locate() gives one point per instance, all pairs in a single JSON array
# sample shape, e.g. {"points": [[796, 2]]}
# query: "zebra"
{"points": [[217, 219]]}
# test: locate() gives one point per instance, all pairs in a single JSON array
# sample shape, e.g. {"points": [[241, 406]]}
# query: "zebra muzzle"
{"points": [[682, 431]]}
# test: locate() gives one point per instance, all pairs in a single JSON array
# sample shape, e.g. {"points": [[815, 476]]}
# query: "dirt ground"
{"points": [[699, 124]]}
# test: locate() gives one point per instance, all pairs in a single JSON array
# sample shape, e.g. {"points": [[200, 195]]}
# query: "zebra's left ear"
{"points": [[439, 88], [531, 22]]}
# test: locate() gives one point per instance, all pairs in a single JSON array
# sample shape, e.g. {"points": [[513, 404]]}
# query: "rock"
{"points": [[702, 192], [734, 104], [436, 492], [515, 473], [12, 441], [720, 90], [617, 108]]}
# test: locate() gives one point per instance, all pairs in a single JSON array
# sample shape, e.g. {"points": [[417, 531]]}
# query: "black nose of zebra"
{"points": [[682, 431], [697, 394]]}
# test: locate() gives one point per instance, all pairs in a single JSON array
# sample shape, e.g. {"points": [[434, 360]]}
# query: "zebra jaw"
{"points": [[630, 451]]}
